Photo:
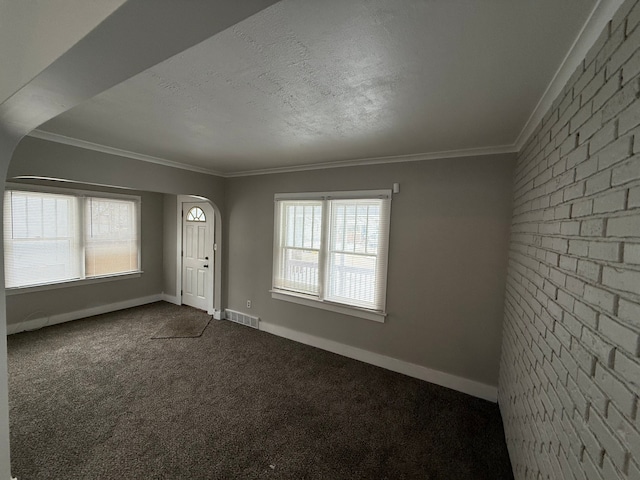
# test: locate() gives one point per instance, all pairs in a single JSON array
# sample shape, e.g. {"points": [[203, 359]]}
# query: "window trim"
{"points": [[309, 301], [320, 302], [78, 193], [72, 283]]}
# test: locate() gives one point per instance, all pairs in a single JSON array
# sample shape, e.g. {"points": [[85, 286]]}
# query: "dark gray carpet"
{"points": [[184, 325], [99, 399]]}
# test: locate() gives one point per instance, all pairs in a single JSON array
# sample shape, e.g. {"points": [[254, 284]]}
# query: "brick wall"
{"points": [[570, 366]]}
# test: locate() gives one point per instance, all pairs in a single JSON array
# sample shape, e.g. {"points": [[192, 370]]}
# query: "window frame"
{"points": [[81, 195], [319, 301]]}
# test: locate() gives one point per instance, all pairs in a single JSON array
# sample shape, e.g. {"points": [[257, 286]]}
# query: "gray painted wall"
{"points": [[447, 263], [170, 243], [447, 260], [7, 144], [35, 157], [42, 158], [43, 304]]}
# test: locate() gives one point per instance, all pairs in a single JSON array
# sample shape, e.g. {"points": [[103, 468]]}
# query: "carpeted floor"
{"points": [[99, 399]]}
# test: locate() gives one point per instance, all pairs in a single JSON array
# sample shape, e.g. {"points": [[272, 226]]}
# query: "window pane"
{"points": [[352, 279], [196, 214], [298, 226], [297, 250], [354, 273], [111, 241], [41, 240], [317, 226], [300, 270]]}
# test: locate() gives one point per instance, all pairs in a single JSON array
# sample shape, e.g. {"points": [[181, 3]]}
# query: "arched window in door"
{"points": [[196, 215]]}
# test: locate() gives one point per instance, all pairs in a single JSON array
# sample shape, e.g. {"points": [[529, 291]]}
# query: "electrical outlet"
{"points": [[248, 303]]}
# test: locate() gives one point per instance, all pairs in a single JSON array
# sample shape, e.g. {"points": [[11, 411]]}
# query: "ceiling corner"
{"points": [[586, 38]]}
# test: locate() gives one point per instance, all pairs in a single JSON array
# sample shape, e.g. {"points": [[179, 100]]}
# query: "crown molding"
{"points": [[75, 142], [471, 152], [591, 30]]}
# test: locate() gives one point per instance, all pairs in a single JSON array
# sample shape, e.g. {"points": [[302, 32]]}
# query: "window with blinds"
{"points": [[333, 248], [55, 237], [41, 238], [298, 255], [111, 236]]}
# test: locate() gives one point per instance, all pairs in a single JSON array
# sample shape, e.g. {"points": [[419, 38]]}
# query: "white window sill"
{"points": [[72, 283], [332, 307]]}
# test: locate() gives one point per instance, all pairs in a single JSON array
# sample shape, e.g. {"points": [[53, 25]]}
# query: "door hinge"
{"points": [[182, 253], [181, 292], [182, 213]]}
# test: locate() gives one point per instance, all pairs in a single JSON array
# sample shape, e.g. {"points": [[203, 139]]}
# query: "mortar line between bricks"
{"points": [[590, 196], [597, 261], [599, 310]]}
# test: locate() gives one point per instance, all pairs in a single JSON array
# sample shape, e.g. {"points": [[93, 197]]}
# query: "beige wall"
{"points": [[44, 304], [447, 260]]}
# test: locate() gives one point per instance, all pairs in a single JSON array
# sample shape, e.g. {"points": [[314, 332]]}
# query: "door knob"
{"points": [[206, 266]]}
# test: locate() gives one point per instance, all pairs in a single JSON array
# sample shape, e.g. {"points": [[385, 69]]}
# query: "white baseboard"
{"points": [[37, 323], [218, 314], [464, 385], [171, 299]]}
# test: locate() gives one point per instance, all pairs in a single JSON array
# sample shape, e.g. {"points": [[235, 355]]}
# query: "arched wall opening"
{"points": [[37, 160]]}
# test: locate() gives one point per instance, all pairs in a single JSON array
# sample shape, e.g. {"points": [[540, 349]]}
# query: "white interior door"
{"points": [[197, 255]]}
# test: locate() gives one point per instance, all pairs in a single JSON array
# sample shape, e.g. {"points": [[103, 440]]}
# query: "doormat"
{"points": [[184, 326]]}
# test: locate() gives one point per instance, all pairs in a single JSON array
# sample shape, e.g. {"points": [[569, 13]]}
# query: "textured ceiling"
{"points": [[24, 26], [306, 82]]}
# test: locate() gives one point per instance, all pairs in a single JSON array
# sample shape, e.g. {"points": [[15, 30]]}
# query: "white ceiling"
{"points": [[306, 82]]}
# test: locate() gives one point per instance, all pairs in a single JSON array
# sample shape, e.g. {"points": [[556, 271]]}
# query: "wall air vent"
{"points": [[241, 318]]}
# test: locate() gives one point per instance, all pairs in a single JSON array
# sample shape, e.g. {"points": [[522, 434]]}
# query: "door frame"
{"points": [[214, 303]]}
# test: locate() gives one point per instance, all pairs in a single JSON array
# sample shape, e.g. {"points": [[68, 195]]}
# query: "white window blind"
{"points": [[111, 244], [356, 253], [333, 248], [41, 237], [297, 263], [54, 237]]}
